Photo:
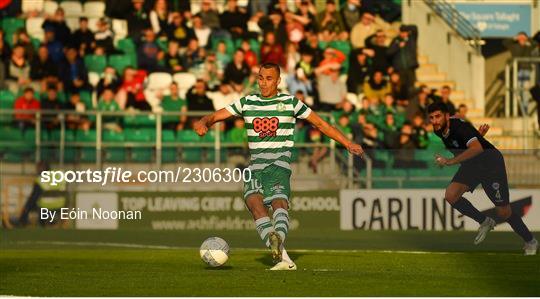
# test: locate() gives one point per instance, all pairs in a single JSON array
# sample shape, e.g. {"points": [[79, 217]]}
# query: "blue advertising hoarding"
{"points": [[497, 20]]}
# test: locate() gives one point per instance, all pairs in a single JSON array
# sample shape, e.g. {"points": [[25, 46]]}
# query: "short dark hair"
{"points": [[437, 106], [271, 65]]}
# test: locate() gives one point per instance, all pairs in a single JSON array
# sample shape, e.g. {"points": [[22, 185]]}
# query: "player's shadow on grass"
{"points": [[222, 268], [267, 259]]}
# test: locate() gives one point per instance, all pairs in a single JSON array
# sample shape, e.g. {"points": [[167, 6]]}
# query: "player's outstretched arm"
{"points": [[473, 149], [201, 126], [335, 134]]}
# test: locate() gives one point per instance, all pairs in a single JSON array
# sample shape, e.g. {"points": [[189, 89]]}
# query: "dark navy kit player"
{"points": [[481, 164]]}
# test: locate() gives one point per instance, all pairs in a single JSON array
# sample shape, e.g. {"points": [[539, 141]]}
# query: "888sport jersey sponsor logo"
{"points": [[266, 126]]}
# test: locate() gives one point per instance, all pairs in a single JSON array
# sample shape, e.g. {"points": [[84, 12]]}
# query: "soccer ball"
{"points": [[214, 251]]}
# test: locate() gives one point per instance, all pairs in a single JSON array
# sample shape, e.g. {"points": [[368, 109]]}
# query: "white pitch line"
{"points": [[145, 246]]}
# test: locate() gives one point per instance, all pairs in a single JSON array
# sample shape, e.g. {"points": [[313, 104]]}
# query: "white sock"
{"points": [[284, 256]]}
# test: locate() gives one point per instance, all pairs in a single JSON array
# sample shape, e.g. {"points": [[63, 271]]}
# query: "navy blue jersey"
{"points": [[460, 135]]}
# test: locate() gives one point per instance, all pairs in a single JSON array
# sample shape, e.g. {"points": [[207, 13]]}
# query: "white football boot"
{"points": [[275, 246], [484, 228], [531, 247]]}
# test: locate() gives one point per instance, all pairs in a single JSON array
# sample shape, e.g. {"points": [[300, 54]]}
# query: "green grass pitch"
{"points": [[133, 263]]}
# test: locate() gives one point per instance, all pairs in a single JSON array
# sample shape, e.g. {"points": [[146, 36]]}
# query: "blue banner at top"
{"points": [[497, 20]]}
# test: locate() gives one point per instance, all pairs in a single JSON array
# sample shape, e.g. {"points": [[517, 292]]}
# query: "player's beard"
{"points": [[441, 131]]}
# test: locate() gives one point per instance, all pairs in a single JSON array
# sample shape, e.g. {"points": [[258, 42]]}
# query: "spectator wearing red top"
{"points": [[26, 102], [271, 51], [249, 56], [131, 91]]}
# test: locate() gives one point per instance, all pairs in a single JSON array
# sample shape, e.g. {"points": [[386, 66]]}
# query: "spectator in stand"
{"points": [[298, 81], [275, 23], [234, 19], [18, 74], [249, 56], [26, 102], [406, 145], [107, 104], [306, 65], [359, 70], [104, 36], [377, 51], [332, 91], [73, 72], [173, 103], [209, 14], [138, 20], [55, 47], [329, 19], [238, 134], [222, 56], [391, 132], [306, 15], [197, 100], [363, 29], [83, 38], [462, 112], [351, 13], [403, 51], [108, 80], [131, 92], [178, 30], [419, 132], [445, 99], [74, 120], [271, 51], [50, 102], [311, 45], [173, 61], [399, 91], [212, 72], [202, 31], [376, 87], [149, 52], [57, 23], [191, 55], [159, 17], [237, 71], [292, 58], [418, 105], [521, 46], [21, 38], [295, 29]]}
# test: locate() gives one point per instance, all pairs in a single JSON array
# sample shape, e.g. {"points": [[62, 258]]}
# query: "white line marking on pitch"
{"points": [[145, 246]]}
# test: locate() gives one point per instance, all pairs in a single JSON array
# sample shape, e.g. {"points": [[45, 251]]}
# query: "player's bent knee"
{"points": [[504, 212], [280, 204]]}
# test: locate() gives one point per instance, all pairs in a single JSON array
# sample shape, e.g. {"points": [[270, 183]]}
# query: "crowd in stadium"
{"points": [[348, 58]]}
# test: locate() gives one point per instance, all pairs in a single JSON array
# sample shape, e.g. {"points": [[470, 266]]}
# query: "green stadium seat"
{"points": [[189, 154], [88, 153], [69, 135], [140, 121], [95, 63], [139, 135], [120, 62], [419, 184], [169, 155], [167, 136], [395, 172], [7, 101], [228, 43], [85, 136], [385, 184], [112, 136], [10, 134], [114, 154], [127, 46], [86, 98], [142, 155]]}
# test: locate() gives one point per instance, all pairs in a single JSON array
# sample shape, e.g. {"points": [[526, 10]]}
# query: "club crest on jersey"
{"points": [[455, 143], [280, 107]]}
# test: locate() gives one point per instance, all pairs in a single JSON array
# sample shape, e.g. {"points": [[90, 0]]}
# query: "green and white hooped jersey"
{"points": [[270, 127]]}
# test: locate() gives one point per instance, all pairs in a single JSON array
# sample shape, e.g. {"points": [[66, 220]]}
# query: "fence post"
{"points": [[38, 137], [507, 91], [98, 139], [159, 145], [217, 145], [62, 139]]}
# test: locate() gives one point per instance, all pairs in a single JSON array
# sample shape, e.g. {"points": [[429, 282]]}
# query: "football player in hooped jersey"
{"points": [[270, 119], [481, 163]]}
